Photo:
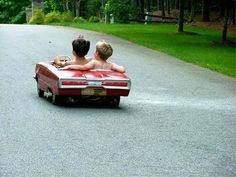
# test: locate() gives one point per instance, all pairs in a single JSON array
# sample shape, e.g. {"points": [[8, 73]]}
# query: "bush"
{"points": [[52, 17], [79, 20], [94, 19], [52, 5], [67, 16], [38, 17], [19, 18], [93, 8], [121, 10]]}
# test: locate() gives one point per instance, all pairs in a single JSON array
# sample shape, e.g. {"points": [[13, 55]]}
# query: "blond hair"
{"points": [[104, 50]]}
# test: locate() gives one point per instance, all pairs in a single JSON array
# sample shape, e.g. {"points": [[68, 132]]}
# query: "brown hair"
{"points": [[81, 46], [104, 50]]}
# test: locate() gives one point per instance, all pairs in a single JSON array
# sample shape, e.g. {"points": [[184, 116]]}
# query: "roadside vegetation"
{"points": [[182, 37], [200, 46], [197, 45]]}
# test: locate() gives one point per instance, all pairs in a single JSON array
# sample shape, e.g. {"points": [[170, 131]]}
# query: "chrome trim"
{"points": [[94, 81], [71, 79]]}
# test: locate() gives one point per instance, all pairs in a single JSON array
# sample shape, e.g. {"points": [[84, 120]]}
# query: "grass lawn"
{"points": [[199, 49]]}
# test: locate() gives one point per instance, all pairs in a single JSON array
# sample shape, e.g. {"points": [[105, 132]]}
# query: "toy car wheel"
{"points": [[57, 99], [40, 92], [114, 101]]}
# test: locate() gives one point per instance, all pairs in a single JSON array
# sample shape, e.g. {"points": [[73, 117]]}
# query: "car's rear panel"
{"points": [[94, 82]]}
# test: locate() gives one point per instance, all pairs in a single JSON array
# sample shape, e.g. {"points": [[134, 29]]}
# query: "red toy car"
{"points": [[93, 84]]}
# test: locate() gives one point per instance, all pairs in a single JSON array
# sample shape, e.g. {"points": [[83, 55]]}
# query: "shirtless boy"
{"points": [[102, 53], [80, 48]]}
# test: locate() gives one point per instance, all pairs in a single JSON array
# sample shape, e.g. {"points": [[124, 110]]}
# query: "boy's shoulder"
{"points": [[89, 58]]}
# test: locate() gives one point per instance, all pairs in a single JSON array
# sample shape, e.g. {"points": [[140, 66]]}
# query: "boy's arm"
{"points": [[118, 68], [62, 63], [88, 66], [57, 61]]}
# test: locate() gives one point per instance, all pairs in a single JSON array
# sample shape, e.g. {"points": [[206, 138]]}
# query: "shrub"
{"points": [[19, 18], [67, 16], [52, 17], [121, 10], [38, 17], [52, 5], [94, 19], [79, 20], [93, 7]]}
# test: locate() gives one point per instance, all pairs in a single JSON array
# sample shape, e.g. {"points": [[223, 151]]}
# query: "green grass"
{"points": [[198, 49]]}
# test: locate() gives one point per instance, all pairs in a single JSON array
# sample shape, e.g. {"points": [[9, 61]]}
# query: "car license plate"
{"points": [[94, 92]]}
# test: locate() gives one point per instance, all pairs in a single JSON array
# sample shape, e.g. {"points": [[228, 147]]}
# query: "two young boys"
{"points": [[80, 49]]}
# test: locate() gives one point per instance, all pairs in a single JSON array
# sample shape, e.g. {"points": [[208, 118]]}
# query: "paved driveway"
{"points": [[179, 120]]}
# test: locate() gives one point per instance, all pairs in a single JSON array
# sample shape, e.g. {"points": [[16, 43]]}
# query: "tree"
{"points": [[181, 16], [142, 8], [52, 5], [193, 4], [206, 10], [77, 7], [148, 6], [121, 9], [234, 8], [162, 7], [227, 7], [65, 4], [177, 4], [13, 11], [94, 8], [168, 6]]}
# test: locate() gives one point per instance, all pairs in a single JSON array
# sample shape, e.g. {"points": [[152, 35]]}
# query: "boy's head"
{"points": [[104, 50], [80, 46]]}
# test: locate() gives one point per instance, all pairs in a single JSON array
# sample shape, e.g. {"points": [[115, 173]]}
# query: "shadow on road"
{"points": [[83, 103]]}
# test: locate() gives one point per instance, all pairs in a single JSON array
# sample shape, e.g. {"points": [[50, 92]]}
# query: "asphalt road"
{"points": [[179, 120]]}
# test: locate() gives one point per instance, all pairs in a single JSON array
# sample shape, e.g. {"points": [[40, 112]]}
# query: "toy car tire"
{"points": [[114, 101], [57, 99], [40, 92]]}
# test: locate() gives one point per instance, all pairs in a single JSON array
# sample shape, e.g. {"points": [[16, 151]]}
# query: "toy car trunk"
{"points": [[60, 84]]}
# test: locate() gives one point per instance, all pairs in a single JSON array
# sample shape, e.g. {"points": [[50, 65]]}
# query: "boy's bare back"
{"points": [[102, 53], [99, 64]]}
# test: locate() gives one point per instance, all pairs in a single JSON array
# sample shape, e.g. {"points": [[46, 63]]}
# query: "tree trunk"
{"points": [[65, 5], [73, 7], [226, 18], [148, 6], [168, 6], [154, 3], [142, 8], [222, 8], [102, 3], [234, 7], [77, 7], [181, 16], [162, 8], [177, 4], [192, 13], [189, 6], [159, 4], [206, 10]]}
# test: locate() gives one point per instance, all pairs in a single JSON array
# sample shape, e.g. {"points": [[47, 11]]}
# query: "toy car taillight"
{"points": [[120, 84], [74, 83]]}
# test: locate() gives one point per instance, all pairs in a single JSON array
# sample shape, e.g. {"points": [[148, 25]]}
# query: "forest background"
{"points": [[216, 52], [125, 11]]}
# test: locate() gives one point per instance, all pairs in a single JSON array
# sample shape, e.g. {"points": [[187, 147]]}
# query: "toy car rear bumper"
{"points": [[111, 92]]}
